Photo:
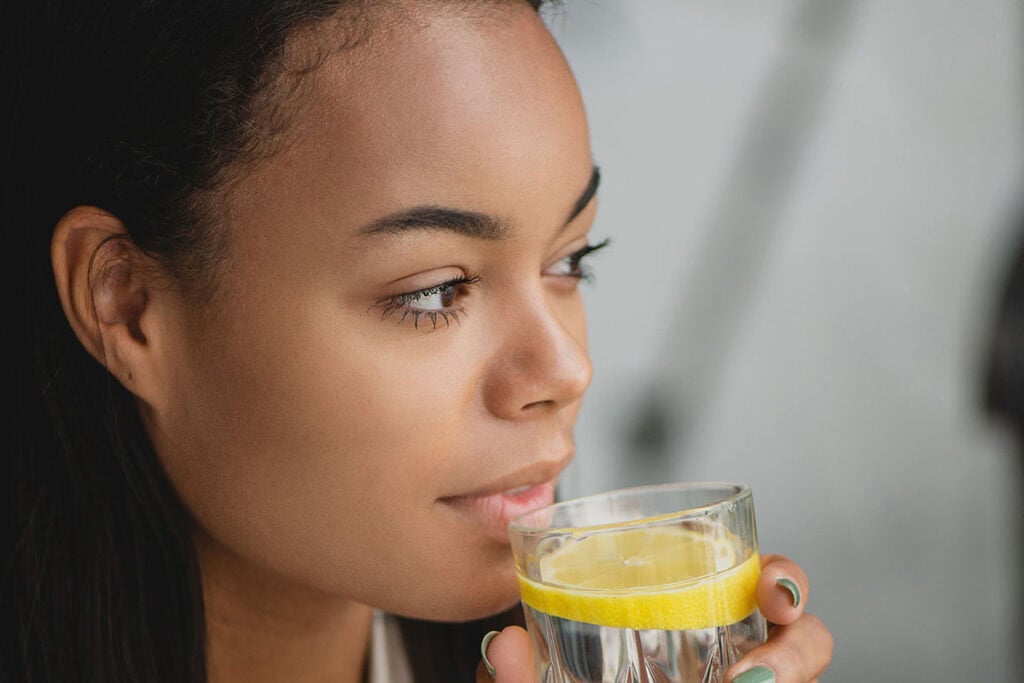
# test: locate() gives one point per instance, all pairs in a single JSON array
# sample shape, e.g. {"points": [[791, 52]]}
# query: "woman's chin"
{"points": [[463, 608]]}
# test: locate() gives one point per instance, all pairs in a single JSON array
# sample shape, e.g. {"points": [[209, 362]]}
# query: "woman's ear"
{"points": [[103, 284]]}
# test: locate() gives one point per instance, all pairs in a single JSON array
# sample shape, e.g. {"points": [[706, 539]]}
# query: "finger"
{"points": [[782, 590], [797, 653], [511, 655]]}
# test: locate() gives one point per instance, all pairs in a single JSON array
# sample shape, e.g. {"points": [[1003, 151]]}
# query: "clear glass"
{"points": [[653, 583]]}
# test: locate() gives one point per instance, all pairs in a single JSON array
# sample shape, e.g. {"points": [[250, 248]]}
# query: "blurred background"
{"points": [[814, 206]]}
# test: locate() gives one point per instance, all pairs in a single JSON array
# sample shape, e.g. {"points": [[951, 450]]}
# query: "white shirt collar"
{"points": [[388, 663]]}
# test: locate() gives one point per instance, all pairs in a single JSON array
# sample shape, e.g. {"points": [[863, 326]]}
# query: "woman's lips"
{"points": [[493, 512]]}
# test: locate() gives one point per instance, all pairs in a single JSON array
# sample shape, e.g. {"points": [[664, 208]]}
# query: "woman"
{"points": [[324, 257]]}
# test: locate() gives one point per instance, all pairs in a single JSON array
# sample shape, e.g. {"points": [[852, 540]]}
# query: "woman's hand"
{"points": [[799, 647], [511, 654], [798, 650]]}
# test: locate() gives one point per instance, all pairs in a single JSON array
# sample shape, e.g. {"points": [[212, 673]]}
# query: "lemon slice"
{"points": [[668, 577]]}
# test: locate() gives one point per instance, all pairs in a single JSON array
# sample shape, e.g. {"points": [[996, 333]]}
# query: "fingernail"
{"points": [[790, 585], [759, 674], [483, 652]]}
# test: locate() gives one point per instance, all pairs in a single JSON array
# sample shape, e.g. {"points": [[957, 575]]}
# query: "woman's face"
{"points": [[399, 343]]}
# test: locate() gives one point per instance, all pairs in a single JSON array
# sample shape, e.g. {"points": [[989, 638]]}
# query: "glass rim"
{"points": [[742, 490]]}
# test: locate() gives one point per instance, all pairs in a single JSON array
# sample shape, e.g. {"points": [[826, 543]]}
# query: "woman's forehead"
{"points": [[455, 111]]}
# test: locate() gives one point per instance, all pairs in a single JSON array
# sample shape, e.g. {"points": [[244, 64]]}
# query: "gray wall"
{"points": [[813, 314]]}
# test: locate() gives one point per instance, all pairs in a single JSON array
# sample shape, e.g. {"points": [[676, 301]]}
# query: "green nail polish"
{"points": [[793, 590], [484, 644], [759, 674]]}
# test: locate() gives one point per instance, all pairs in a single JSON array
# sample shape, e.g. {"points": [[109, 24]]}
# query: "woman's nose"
{"points": [[541, 367]]}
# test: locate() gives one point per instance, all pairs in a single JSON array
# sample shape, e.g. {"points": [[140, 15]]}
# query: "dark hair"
{"points": [[144, 109]]}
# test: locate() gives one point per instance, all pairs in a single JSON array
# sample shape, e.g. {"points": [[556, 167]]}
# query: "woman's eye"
{"points": [[573, 265], [434, 305], [437, 298]]}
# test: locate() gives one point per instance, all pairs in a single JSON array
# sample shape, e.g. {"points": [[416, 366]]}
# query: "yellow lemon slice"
{"points": [[668, 577]]}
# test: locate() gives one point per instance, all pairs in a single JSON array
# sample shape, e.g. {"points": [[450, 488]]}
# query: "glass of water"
{"points": [[654, 583]]}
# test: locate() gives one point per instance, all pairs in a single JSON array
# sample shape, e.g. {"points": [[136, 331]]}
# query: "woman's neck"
{"points": [[261, 627]]}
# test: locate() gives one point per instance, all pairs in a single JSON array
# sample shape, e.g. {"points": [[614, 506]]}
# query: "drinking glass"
{"points": [[654, 583]]}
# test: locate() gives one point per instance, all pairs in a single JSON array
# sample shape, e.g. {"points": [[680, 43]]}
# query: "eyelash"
{"points": [[403, 302], [575, 260]]}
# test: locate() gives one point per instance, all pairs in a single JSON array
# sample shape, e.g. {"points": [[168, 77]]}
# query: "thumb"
{"points": [[511, 654]]}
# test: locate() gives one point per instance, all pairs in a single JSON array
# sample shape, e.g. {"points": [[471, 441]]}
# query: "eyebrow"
{"points": [[469, 223]]}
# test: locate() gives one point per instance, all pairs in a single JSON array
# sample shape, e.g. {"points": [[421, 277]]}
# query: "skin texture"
{"points": [[338, 427], [313, 430]]}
